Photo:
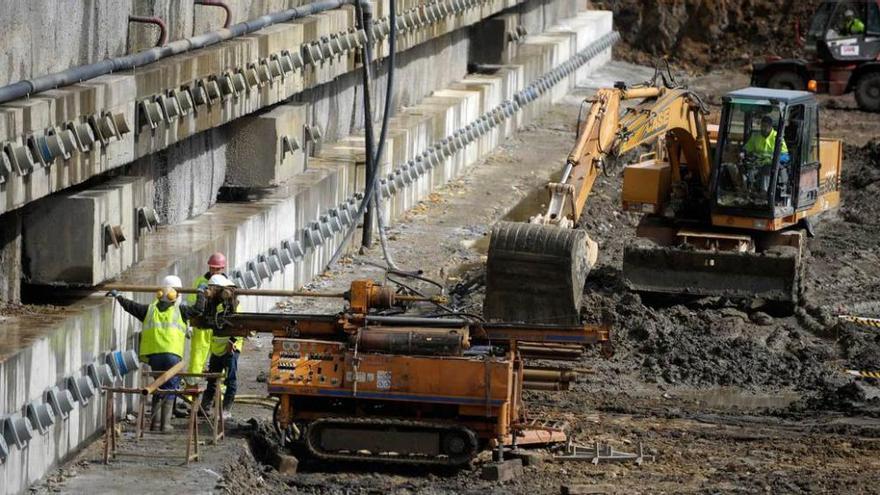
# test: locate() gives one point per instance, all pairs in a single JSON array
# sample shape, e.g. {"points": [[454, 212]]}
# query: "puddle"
{"points": [[735, 398], [532, 204]]}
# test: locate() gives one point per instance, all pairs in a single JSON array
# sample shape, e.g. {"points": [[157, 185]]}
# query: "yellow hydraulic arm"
{"points": [[668, 116], [535, 272]]}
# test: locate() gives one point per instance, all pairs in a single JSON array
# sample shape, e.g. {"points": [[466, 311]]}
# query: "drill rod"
{"points": [[250, 292]]}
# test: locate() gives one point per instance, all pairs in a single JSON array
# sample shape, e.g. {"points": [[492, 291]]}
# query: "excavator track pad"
{"points": [[391, 441], [536, 273]]}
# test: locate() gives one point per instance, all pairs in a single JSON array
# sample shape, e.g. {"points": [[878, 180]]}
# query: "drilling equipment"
{"points": [[372, 383]]}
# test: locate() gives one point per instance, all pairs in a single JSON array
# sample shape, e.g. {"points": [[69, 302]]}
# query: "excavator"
{"points": [[724, 208]]}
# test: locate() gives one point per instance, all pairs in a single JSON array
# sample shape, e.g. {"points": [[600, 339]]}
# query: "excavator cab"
{"points": [[767, 157]]}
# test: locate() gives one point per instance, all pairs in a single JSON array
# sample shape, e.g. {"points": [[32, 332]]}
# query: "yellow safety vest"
{"points": [[218, 344], [164, 331], [764, 146], [191, 298], [855, 26]]}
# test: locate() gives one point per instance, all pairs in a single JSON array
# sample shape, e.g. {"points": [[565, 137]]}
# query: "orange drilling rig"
{"points": [[372, 383]]}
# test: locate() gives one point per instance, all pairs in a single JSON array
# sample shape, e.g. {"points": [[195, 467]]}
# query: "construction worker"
{"points": [[200, 345], [759, 151], [224, 358], [852, 25], [163, 339]]}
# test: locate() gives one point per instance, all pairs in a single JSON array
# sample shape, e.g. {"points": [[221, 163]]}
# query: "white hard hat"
{"points": [[172, 281], [221, 280], [849, 13]]}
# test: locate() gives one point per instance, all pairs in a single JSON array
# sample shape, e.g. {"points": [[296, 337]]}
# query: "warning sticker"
{"points": [[849, 50], [383, 380]]}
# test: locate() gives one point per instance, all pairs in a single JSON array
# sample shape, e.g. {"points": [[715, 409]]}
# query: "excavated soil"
{"points": [[703, 35]]}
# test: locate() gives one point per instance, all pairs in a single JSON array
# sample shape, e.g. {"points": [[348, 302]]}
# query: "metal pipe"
{"points": [[542, 386], [371, 164], [541, 375], [417, 321], [75, 75], [254, 292], [241, 292], [217, 3], [156, 21]]}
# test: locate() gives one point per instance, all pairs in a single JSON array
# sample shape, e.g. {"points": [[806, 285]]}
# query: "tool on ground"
{"points": [[861, 320], [372, 383], [841, 55], [864, 374], [724, 209], [601, 453]]}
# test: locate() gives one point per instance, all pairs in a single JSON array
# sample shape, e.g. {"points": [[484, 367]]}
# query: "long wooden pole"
{"points": [[164, 377]]}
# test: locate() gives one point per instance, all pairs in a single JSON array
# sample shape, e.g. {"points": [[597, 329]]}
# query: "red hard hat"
{"points": [[217, 260]]}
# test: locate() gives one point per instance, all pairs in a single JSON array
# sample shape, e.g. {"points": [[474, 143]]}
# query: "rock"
{"points": [[761, 318], [527, 458], [286, 464], [502, 471]]}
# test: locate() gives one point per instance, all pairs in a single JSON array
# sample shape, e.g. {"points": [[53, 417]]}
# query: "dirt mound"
{"points": [[702, 35], [861, 183]]}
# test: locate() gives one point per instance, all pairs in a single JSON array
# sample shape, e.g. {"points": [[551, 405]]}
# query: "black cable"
{"points": [[371, 163], [372, 179]]}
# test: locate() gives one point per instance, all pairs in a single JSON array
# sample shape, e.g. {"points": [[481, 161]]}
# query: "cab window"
{"points": [[872, 24]]}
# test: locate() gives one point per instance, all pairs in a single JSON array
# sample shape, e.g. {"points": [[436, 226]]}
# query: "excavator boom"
{"points": [[536, 271]]}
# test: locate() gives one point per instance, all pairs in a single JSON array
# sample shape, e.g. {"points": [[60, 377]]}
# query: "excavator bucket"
{"points": [[536, 273], [772, 276]]}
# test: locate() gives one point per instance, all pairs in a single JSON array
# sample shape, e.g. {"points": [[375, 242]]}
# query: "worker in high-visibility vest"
{"points": [[163, 339], [852, 25], [761, 147], [224, 358], [200, 345]]}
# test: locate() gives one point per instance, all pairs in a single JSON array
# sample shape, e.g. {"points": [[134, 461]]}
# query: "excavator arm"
{"points": [[536, 271]]}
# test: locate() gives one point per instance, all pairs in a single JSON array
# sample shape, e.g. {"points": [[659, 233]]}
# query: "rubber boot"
{"points": [[227, 407], [155, 413], [167, 411]]}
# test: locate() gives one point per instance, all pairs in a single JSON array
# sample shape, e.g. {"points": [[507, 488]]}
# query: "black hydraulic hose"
{"points": [[386, 116], [371, 163], [372, 180], [84, 72]]}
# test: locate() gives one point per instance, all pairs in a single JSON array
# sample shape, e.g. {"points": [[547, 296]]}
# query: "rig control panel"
{"points": [[306, 363]]}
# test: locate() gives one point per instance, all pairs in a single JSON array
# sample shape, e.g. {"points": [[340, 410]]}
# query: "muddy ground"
{"points": [[728, 398]]}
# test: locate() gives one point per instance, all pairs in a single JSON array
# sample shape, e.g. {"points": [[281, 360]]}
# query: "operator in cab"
{"points": [[758, 152], [852, 25]]}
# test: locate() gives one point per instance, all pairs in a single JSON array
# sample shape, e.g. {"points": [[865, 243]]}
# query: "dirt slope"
{"points": [[702, 35]]}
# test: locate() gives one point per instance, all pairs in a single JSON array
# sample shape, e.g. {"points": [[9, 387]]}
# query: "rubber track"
{"points": [[313, 432]]}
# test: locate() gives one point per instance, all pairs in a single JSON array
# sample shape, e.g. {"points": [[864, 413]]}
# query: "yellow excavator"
{"points": [[725, 208]]}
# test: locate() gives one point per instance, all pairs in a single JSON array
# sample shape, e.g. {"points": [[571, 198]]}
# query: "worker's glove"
{"points": [[112, 293], [202, 287], [230, 347]]}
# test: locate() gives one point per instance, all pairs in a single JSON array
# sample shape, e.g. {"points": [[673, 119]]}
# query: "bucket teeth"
{"points": [[536, 273]]}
